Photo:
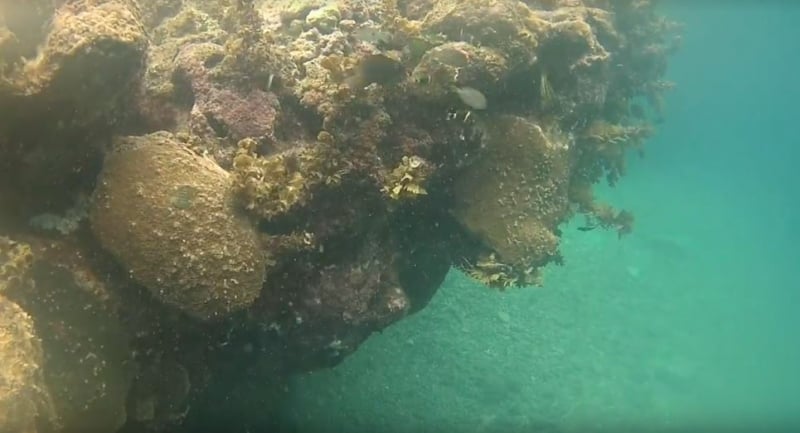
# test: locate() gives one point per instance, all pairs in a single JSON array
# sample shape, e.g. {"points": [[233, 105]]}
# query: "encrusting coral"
{"points": [[273, 181]]}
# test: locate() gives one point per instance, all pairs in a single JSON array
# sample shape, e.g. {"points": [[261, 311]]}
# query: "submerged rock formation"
{"points": [[201, 198]]}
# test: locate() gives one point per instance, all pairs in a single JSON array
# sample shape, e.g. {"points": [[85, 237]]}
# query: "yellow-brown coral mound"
{"points": [[514, 197], [167, 216]]}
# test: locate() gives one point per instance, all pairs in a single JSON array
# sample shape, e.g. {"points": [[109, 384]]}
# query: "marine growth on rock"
{"points": [[271, 182]]}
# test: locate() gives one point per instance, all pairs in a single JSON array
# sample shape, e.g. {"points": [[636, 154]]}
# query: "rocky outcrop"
{"points": [[206, 197]]}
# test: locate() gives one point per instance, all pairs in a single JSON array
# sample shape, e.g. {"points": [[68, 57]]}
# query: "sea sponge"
{"points": [[167, 215]]}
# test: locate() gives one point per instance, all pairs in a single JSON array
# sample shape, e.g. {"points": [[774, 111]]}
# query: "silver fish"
{"points": [[472, 97]]}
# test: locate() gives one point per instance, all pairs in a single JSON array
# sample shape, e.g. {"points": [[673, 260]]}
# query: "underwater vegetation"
{"points": [[201, 198]]}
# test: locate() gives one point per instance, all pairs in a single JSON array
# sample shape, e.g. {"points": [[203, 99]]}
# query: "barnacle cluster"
{"points": [[270, 182]]}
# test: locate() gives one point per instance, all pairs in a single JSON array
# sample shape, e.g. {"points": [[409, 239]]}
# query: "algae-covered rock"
{"points": [[505, 25], [55, 103], [481, 127], [15, 260], [333, 310], [166, 214], [159, 102], [91, 34], [514, 197], [87, 358], [325, 18], [457, 64], [223, 111], [24, 397], [25, 402]]}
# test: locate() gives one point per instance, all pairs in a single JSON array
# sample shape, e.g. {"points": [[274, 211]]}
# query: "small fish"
{"points": [[376, 68], [586, 228], [471, 97]]}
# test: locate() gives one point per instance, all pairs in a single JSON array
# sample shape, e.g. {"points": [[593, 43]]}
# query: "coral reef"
{"points": [[248, 190]]}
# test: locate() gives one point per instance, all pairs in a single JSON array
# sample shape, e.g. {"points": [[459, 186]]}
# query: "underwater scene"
{"points": [[301, 216]]}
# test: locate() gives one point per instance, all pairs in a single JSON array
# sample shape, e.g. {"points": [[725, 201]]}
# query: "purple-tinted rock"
{"points": [[223, 111]]}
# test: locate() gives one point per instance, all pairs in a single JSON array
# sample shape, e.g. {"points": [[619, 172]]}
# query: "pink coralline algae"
{"points": [[220, 110]]}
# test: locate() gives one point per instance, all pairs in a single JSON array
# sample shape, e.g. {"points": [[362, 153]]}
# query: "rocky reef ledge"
{"points": [[200, 198]]}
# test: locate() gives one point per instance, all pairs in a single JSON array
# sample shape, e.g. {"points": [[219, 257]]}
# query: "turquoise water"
{"points": [[691, 322]]}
